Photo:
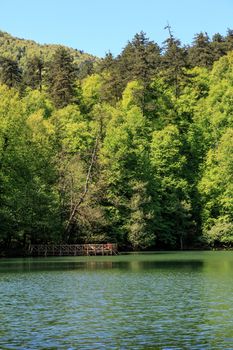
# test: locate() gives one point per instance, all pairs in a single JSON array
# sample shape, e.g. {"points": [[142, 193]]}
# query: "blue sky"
{"points": [[105, 25]]}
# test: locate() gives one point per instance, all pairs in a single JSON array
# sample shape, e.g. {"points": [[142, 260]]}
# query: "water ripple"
{"points": [[128, 306]]}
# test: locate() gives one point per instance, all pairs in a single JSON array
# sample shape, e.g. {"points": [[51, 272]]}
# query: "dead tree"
{"points": [[85, 190]]}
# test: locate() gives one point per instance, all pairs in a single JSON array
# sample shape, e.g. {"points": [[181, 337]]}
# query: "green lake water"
{"points": [[173, 300]]}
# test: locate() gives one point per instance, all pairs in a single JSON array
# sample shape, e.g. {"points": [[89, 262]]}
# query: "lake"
{"points": [[163, 300]]}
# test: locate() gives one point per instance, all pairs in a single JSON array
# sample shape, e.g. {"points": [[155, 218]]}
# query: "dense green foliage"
{"points": [[22, 50], [136, 149]]}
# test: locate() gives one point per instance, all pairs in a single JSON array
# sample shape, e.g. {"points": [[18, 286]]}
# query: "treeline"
{"points": [[22, 51], [135, 149]]}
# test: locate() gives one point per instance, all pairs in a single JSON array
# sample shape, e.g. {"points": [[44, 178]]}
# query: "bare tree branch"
{"points": [[86, 187]]}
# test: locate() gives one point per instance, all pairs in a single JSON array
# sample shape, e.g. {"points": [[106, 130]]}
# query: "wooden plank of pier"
{"points": [[73, 249]]}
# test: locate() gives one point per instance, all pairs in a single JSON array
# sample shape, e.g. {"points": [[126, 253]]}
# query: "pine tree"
{"points": [[218, 46], [107, 62], [201, 54], [112, 80], [174, 61], [33, 73], [229, 39], [140, 59], [61, 78], [10, 73]]}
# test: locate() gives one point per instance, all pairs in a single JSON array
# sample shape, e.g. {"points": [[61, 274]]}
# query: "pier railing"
{"points": [[73, 249]]}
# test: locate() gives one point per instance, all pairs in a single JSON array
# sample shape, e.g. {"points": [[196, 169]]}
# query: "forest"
{"points": [[135, 149]]}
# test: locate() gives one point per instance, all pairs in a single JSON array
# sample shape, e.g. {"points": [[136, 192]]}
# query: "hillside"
{"points": [[22, 49], [137, 150]]}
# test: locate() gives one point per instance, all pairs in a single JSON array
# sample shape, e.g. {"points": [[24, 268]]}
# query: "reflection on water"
{"points": [[147, 301], [63, 265]]}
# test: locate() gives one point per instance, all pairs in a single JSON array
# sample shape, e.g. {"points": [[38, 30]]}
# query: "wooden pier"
{"points": [[73, 249]]}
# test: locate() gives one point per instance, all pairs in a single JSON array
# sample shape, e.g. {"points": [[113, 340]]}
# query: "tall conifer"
{"points": [[61, 78]]}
